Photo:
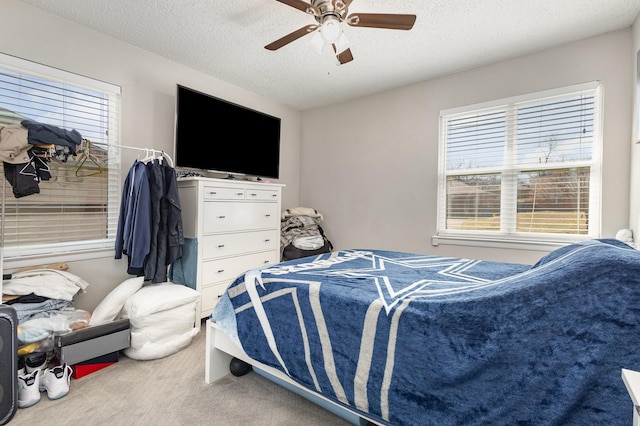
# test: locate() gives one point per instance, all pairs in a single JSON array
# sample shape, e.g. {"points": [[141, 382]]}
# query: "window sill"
{"points": [[12, 263], [544, 246]]}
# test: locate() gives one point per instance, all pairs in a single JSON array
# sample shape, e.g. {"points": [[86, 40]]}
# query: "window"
{"points": [[522, 169], [76, 210]]}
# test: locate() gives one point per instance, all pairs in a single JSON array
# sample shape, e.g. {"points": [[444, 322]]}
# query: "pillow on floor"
{"points": [[178, 318], [162, 348], [113, 303], [158, 297]]}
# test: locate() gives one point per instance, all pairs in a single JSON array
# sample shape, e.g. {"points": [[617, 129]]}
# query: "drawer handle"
{"points": [[266, 261], [212, 193], [267, 215], [267, 240], [220, 271], [254, 194], [221, 245], [221, 217], [274, 195], [219, 296], [239, 193]]}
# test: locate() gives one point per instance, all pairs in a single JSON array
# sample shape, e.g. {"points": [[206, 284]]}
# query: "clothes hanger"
{"points": [[168, 158], [23, 171], [149, 154], [87, 155]]}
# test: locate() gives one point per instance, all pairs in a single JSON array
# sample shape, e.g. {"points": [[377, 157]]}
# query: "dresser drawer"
{"points": [[221, 193], [211, 296], [229, 268], [262, 195], [222, 245], [225, 217]]}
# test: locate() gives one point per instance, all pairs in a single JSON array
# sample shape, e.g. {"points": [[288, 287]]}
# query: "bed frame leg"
{"points": [[631, 380], [216, 361]]}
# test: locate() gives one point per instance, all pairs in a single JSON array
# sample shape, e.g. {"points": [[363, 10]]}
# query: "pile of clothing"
{"points": [[42, 299], [41, 292], [25, 149], [301, 234]]}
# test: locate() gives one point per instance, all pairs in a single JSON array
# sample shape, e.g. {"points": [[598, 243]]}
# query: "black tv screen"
{"points": [[216, 135]]}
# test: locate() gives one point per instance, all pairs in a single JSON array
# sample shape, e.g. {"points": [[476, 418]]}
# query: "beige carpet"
{"points": [[172, 391]]}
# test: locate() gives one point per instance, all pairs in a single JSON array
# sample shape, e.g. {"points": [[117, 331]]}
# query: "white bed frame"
{"points": [[631, 380], [220, 350]]}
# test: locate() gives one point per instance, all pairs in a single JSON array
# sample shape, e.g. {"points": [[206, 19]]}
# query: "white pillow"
{"points": [[158, 297], [178, 318], [154, 334], [162, 348], [112, 304]]}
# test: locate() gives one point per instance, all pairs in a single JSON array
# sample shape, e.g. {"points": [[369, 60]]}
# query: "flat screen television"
{"points": [[216, 135]]}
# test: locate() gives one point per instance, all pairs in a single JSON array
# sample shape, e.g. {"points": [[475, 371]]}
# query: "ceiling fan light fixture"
{"points": [[317, 43], [342, 44], [330, 29]]}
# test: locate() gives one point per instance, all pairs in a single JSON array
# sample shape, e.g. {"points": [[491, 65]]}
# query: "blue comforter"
{"points": [[425, 340]]}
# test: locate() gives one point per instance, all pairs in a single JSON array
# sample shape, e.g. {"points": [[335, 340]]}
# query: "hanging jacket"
{"points": [[133, 236], [170, 234], [175, 230], [156, 186]]}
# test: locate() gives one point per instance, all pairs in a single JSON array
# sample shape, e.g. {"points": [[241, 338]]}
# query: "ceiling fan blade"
{"points": [[344, 56], [291, 37], [382, 20], [302, 5]]}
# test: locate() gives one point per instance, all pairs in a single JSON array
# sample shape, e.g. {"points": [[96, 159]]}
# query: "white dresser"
{"points": [[237, 227]]}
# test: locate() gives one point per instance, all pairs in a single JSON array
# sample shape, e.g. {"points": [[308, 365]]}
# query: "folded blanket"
{"points": [[309, 243], [50, 283]]}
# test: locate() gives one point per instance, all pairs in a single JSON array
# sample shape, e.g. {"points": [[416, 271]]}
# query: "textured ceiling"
{"points": [[226, 39]]}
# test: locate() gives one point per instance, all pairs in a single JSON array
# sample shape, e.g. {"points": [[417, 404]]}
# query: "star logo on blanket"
{"points": [[448, 275]]}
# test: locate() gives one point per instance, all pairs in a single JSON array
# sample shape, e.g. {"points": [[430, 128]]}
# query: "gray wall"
{"points": [[148, 84], [373, 173]]}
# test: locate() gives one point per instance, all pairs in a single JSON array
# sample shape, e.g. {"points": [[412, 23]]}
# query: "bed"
{"points": [[406, 339]]}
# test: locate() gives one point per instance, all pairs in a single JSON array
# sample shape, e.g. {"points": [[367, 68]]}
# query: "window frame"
{"points": [[29, 255], [536, 241]]}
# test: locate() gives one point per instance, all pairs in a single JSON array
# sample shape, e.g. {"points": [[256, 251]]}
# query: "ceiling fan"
{"points": [[329, 15]]}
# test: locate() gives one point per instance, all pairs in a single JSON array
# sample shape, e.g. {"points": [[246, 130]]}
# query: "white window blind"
{"points": [[525, 168], [77, 208]]}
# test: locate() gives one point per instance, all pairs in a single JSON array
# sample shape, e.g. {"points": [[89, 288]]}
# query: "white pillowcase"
{"points": [[165, 324], [158, 297], [113, 303], [149, 350]]}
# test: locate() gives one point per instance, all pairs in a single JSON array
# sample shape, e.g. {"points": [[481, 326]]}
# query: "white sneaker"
{"points": [[55, 381], [35, 361], [29, 389]]}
